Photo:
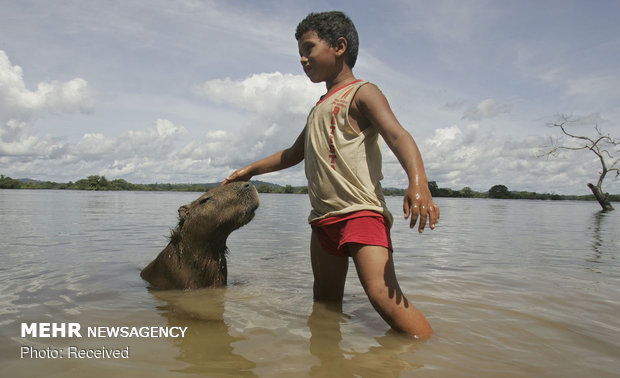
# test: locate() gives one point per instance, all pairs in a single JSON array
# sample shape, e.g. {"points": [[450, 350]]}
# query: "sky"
{"points": [[188, 91]]}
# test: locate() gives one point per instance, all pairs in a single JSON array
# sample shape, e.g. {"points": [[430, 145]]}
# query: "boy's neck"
{"points": [[345, 76]]}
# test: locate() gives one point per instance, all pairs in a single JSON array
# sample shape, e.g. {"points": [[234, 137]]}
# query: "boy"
{"points": [[341, 149]]}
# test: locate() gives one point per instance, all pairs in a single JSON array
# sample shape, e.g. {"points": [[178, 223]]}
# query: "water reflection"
{"points": [[207, 346], [598, 217], [598, 247], [383, 360]]}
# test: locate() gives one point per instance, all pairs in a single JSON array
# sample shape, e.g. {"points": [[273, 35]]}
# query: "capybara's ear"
{"points": [[183, 212]]}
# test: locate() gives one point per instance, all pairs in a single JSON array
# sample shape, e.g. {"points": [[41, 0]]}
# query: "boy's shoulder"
{"points": [[369, 87], [368, 94]]}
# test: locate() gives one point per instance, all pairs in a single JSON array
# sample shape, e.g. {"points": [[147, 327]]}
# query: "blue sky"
{"points": [[187, 91]]}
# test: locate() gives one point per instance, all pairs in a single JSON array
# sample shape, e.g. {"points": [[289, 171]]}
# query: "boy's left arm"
{"points": [[418, 202]]}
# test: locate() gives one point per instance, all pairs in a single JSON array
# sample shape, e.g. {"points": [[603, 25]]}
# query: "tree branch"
{"points": [[602, 145]]}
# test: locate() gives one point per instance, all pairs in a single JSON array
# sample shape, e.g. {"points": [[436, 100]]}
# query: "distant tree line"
{"points": [[96, 182], [502, 192], [497, 192], [101, 183]]}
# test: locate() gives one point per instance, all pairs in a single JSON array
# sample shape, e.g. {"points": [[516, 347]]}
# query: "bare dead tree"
{"points": [[602, 145]]}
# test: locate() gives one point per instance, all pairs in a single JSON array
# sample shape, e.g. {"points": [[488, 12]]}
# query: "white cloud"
{"points": [[17, 140], [18, 102], [277, 106], [266, 94], [93, 145], [19, 106], [474, 157], [486, 109], [142, 155]]}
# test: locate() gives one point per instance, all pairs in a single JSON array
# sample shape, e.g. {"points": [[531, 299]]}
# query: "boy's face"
{"points": [[318, 58]]}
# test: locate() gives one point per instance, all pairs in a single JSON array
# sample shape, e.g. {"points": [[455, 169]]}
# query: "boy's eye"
{"points": [[305, 50]]}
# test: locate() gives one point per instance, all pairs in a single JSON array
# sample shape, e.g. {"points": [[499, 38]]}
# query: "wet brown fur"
{"points": [[195, 257]]}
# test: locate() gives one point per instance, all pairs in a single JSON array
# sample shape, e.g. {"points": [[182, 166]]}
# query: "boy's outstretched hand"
{"points": [[418, 203], [242, 174]]}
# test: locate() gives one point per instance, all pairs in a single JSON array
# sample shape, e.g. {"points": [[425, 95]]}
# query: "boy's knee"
{"points": [[382, 295], [376, 291]]}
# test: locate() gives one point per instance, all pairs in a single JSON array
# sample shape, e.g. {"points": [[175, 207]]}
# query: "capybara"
{"points": [[196, 254]]}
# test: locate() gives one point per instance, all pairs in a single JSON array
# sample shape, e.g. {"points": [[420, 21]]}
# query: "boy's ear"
{"points": [[341, 45]]}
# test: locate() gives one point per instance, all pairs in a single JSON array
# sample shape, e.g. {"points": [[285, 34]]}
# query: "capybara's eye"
{"points": [[204, 200]]}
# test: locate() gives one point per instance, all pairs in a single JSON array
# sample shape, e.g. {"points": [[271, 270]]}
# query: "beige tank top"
{"points": [[343, 166]]}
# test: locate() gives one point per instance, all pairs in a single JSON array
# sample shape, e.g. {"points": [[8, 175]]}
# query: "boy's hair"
{"points": [[330, 26]]}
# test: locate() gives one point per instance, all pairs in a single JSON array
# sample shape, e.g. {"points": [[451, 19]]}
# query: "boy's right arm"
{"points": [[278, 161]]}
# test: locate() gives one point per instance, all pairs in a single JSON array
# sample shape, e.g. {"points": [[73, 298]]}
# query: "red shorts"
{"points": [[362, 227]]}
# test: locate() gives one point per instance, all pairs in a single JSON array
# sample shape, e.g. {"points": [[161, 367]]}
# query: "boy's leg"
{"points": [[375, 269], [330, 272]]}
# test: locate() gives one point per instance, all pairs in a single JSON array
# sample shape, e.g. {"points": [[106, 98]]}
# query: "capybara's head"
{"points": [[218, 212]]}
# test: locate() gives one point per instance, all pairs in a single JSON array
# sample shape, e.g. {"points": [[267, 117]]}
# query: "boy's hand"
{"points": [[242, 174], [418, 203]]}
